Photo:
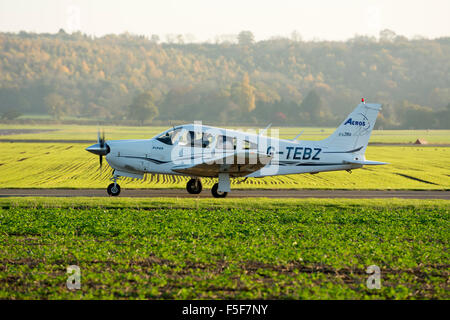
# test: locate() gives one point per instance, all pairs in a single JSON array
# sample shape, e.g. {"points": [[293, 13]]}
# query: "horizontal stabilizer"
{"points": [[366, 162]]}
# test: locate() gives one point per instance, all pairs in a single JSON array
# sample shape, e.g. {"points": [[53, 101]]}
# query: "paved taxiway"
{"points": [[181, 193]]}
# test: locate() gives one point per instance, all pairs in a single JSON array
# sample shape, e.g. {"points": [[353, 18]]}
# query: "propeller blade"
{"points": [[100, 148], [102, 141]]}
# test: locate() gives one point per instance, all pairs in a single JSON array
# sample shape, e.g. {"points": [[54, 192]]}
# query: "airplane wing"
{"points": [[237, 164]]}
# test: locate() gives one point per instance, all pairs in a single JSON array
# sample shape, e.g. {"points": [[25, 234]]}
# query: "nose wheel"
{"points": [[194, 186], [113, 189]]}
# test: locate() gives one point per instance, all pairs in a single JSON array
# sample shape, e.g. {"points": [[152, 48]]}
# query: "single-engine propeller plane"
{"points": [[199, 151]]}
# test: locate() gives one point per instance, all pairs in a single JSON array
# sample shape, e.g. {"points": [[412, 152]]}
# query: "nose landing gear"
{"points": [[113, 189]]}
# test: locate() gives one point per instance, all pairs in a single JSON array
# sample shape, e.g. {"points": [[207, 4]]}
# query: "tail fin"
{"points": [[354, 132]]}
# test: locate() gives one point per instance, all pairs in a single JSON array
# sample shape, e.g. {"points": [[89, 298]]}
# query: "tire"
{"points": [[194, 186], [113, 191], [216, 193]]}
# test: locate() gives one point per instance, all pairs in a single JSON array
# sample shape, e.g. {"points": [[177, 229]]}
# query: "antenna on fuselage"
{"points": [[298, 135], [265, 129]]}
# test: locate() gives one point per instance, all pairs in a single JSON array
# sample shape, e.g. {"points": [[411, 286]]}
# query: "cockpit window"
{"points": [[224, 142], [247, 145], [169, 137], [195, 139], [183, 137]]}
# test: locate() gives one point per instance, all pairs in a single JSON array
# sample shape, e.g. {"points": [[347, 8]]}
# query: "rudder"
{"points": [[354, 132]]}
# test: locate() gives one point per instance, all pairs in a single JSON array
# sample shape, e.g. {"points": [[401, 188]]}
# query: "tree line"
{"points": [[284, 81]]}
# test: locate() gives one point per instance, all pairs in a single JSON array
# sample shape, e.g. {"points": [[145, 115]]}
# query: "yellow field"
{"points": [[63, 165], [77, 132]]}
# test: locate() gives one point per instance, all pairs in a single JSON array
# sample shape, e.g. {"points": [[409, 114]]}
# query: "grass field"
{"points": [[48, 165], [78, 132], [232, 249]]}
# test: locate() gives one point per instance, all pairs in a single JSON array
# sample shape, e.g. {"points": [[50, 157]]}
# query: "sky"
{"points": [[203, 20]]}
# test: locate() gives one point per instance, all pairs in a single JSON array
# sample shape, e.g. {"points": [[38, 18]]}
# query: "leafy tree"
{"points": [[387, 35], [443, 117], [246, 38], [312, 106], [155, 38], [143, 108], [11, 114], [247, 95], [417, 117], [98, 75], [56, 105], [296, 36]]}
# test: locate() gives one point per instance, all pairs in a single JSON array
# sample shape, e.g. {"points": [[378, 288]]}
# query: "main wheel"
{"points": [[113, 190], [194, 186], [216, 193]]}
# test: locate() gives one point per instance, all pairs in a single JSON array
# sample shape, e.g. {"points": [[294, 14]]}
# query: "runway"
{"points": [[182, 193]]}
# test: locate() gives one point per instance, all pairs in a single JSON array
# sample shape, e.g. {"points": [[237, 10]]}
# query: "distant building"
{"points": [[421, 141]]}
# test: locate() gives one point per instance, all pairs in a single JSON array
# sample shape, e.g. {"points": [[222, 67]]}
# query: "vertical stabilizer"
{"points": [[354, 132]]}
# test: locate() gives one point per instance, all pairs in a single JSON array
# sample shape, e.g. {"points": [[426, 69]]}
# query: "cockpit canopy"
{"points": [[184, 137], [204, 137]]}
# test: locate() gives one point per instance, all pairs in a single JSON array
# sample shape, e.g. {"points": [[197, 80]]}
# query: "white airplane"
{"points": [[201, 151]]}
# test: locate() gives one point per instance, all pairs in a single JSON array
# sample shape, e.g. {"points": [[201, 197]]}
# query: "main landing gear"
{"points": [[194, 186], [113, 189], [216, 193], [221, 189]]}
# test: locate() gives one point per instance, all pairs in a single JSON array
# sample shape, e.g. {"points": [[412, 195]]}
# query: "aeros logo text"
{"points": [[352, 122]]}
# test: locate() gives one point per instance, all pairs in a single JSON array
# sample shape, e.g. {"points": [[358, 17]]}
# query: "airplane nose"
{"points": [[98, 150]]}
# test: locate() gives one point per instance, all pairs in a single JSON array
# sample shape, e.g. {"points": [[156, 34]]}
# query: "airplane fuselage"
{"points": [[202, 151], [152, 156]]}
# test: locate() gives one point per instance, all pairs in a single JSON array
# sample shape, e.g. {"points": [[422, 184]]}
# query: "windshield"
{"points": [[169, 137]]}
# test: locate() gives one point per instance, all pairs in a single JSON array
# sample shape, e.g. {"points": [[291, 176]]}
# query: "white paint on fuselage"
{"points": [[153, 156], [171, 150]]}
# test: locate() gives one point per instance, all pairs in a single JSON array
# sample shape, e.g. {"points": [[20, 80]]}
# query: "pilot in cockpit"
{"points": [[191, 141], [200, 143]]}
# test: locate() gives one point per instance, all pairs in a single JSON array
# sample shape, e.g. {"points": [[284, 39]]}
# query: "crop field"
{"points": [[84, 132], [231, 249], [62, 165]]}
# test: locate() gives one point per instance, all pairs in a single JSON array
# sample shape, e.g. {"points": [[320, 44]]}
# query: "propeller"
{"points": [[101, 148], [101, 142]]}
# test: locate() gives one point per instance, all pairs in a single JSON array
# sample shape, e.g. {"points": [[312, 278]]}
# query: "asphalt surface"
{"points": [[181, 193]]}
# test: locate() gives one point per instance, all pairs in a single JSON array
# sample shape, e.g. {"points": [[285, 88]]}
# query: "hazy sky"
{"points": [[319, 19]]}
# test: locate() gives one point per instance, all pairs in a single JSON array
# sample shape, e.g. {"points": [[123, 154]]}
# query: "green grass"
{"points": [[84, 132], [48, 165], [231, 249]]}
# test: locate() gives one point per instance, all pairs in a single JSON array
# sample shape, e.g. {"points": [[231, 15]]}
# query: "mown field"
{"points": [[232, 248], [81, 132], [68, 165], [62, 165]]}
